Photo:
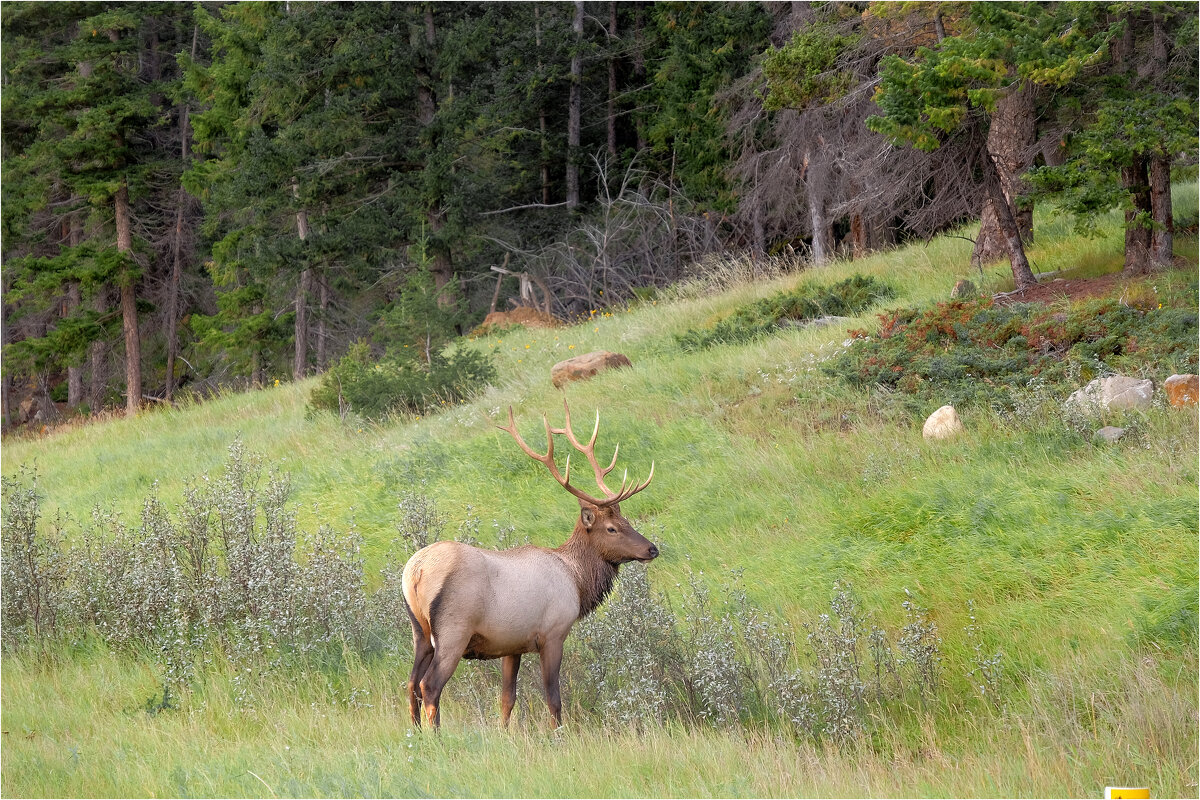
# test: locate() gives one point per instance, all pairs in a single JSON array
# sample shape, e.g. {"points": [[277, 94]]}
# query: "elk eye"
{"points": [[611, 529]]}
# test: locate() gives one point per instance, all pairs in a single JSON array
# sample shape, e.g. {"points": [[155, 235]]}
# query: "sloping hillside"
{"points": [[1074, 561]]}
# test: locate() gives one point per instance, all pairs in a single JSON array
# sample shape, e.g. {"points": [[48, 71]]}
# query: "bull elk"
{"points": [[466, 602]]}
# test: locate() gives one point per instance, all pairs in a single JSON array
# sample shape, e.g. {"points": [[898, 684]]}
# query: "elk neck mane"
{"points": [[593, 575]]}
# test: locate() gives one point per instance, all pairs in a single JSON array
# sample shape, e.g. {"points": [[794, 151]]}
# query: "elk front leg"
{"points": [[508, 686], [551, 656]]}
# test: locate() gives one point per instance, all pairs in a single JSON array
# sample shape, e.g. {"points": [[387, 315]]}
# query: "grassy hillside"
{"points": [[1079, 561]]}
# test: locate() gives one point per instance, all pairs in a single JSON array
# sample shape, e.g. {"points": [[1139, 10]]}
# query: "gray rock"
{"points": [[1116, 393], [1108, 434]]}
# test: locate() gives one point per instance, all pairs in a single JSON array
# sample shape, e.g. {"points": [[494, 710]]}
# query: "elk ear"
{"points": [[588, 515]]}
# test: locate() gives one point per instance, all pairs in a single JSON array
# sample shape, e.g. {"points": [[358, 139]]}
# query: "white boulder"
{"points": [[942, 424]]}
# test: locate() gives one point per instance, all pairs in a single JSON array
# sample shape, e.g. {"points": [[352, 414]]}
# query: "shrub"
{"points": [[31, 565], [375, 388], [228, 574], [807, 302]]}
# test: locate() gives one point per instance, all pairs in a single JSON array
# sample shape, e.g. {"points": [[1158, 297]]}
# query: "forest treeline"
{"points": [[206, 195]]}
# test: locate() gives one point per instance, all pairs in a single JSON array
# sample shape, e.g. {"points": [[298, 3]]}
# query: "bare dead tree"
{"points": [[802, 172], [639, 234]]}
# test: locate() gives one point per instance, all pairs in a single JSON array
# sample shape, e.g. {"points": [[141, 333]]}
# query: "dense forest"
{"points": [[208, 195]]}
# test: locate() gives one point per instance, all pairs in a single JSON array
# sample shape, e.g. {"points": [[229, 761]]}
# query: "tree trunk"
{"points": [[322, 323], [441, 267], [182, 200], [300, 334], [545, 146], [814, 175], [129, 312], [760, 232], [822, 233], [612, 79], [172, 323], [300, 365], [1163, 238], [1162, 246], [6, 379], [575, 109], [96, 360], [859, 246], [1011, 138], [74, 300], [1022, 274], [47, 411], [639, 72], [256, 370], [989, 242], [1138, 234]]}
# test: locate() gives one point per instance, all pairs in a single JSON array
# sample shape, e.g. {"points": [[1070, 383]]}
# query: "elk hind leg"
{"points": [[446, 655], [422, 657]]}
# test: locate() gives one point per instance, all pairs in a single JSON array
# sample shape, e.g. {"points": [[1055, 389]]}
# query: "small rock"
{"points": [[942, 424], [1108, 434], [586, 366], [1182, 390], [963, 288], [1113, 394]]}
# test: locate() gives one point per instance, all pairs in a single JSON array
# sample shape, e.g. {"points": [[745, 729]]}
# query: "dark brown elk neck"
{"points": [[593, 575]]}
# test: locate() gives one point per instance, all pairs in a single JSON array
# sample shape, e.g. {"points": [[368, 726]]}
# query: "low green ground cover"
{"points": [[974, 350], [807, 302]]}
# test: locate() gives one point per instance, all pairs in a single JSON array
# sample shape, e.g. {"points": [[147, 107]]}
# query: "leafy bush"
{"points": [[374, 389], [807, 302], [966, 351]]}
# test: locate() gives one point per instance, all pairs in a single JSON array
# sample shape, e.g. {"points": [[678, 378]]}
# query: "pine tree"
{"points": [[84, 119], [1139, 115]]}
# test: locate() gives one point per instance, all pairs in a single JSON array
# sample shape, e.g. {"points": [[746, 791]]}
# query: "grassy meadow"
{"points": [[1079, 562]]}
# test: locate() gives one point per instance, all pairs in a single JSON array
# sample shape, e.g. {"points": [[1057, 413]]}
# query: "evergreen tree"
{"points": [[1138, 116], [83, 153], [967, 82]]}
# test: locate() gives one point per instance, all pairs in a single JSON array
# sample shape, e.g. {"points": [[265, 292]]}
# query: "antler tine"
{"points": [[592, 443], [626, 494], [548, 458], [512, 431], [589, 450]]}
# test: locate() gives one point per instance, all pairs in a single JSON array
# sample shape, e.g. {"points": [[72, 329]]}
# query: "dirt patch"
{"points": [[528, 317], [1057, 289]]}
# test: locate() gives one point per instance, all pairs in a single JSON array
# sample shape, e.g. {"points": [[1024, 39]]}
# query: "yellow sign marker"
{"points": [[1127, 792]]}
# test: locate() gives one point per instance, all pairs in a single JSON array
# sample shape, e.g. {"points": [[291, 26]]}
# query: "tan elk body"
{"points": [[466, 602]]}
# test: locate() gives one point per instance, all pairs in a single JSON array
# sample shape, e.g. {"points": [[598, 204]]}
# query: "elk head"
{"points": [[600, 520]]}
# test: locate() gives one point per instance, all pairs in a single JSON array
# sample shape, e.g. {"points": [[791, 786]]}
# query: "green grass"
{"points": [[1075, 556], [1111, 722]]}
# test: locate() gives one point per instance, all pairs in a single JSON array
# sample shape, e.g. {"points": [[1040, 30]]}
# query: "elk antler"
{"points": [[589, 450]]}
